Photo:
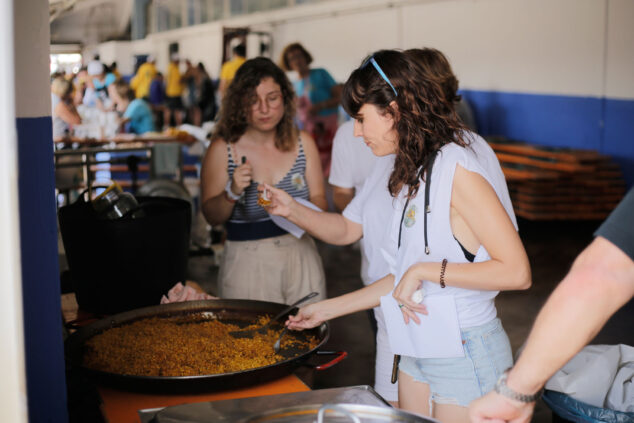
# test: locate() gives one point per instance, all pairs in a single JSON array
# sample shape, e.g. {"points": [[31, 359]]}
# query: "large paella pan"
{"points": [[242, 313]]}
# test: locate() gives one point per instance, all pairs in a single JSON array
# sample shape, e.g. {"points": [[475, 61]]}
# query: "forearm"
{"points": [[217, 209], [490, 275], [222, 87], [332, 228], [592, 291], [362, 299]]}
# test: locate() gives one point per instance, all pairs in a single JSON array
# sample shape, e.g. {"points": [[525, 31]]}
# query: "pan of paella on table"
{"points": [[191, 346]]}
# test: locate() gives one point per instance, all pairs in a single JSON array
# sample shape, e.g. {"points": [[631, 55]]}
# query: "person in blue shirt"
{"points": [[136, 113], [318, 97], [100, 79]]}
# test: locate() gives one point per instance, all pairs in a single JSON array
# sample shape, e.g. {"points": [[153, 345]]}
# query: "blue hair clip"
{"points": [[380, 71]]}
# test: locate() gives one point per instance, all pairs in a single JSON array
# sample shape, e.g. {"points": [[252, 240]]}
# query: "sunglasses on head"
{"points": [[380, 71]]}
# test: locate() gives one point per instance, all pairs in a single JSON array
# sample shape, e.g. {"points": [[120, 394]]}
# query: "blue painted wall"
{"points": [[601, 124], [46, 385]]}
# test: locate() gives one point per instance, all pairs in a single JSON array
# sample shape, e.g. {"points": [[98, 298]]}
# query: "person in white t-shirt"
{"points": [[452, 231], [351, 164]]}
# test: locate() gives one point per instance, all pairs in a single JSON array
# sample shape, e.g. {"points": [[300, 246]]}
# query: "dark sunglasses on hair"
{"points": [[380, 71]]}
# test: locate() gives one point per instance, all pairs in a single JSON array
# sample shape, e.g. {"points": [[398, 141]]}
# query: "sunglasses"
{"points": [[380, 71]]}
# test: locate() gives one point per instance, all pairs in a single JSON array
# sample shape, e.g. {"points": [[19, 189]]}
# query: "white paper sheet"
{"points": [[289, 226], [437, 336]]}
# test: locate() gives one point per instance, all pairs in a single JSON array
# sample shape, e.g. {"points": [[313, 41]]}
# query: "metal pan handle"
{"points": [[340, 355]]}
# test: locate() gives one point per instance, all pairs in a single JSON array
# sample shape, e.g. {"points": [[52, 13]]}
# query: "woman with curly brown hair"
{"points": [[451, 239], [256, 141]]}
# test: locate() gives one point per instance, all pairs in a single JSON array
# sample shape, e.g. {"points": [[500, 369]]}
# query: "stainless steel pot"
{"points": [[352, 403], [330, 413]]}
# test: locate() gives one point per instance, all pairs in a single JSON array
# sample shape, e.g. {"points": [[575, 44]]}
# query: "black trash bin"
{"points": [[123, 264]]}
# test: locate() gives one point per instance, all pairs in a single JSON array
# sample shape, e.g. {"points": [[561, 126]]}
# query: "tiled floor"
{"points": [[551, 247]]}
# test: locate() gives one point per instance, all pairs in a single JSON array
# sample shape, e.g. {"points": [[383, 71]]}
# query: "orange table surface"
{"points": [[121, 407]]}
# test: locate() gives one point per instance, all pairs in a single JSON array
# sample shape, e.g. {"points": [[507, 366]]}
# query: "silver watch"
{"points": [[502, 388], [230, 193]]}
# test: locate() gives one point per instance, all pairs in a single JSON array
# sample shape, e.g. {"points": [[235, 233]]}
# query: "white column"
{"points": [[13, 385], [39, 270]]}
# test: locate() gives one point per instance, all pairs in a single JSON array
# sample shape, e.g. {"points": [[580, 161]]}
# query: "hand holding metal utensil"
{"points": [[263, 329]]}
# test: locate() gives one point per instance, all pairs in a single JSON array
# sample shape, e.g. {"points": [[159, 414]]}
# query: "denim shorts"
{"points": [[459, 381]]}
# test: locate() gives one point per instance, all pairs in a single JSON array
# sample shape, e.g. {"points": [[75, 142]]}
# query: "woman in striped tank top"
{"points": [[255, 141]]}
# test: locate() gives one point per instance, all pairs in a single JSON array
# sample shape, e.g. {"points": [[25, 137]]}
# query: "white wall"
{"points": [[117, 51], [566, 47], [619, 76], [198, 44], [340, 42], [537, 46]]}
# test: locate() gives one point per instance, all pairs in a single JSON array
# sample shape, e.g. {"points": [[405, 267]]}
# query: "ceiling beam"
{"points": [[57, 8]]}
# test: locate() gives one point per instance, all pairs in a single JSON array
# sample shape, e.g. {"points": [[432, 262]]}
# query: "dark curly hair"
{"points": [[234, 114], [424, 113]]}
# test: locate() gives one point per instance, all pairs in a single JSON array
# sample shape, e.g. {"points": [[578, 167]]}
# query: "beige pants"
{"points": [[281, 269]]}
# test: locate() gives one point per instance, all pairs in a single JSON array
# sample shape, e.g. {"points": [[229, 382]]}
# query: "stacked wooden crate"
{"points": [[559, 184]]}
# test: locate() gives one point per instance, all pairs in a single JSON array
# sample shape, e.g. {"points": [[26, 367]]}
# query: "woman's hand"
{"points": [[281, 201], [307, 317], [241, 178], [409, 283]]}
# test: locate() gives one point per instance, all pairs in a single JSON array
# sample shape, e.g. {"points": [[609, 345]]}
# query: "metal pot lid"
{"points": [[265, 407], [337, 413]]}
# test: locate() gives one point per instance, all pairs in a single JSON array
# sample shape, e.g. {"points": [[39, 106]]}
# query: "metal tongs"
{"points": [[249, 333]]}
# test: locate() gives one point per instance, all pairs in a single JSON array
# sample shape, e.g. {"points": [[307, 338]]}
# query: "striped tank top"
{"points": [[249, 221]]}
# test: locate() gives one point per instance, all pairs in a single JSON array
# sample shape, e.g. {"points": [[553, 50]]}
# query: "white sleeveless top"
{"points": [[474, 307]]}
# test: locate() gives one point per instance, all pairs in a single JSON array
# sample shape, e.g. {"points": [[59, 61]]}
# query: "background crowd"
{"points": [[148, 101]]}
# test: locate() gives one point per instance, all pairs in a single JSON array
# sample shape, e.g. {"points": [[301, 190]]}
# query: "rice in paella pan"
{"points": [[184, 346]]}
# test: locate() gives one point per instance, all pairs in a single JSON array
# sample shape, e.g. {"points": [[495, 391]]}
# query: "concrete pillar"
{"points": [[45, 376]]}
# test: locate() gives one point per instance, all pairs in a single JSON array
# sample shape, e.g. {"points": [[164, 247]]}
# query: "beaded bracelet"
{"points": [[443, 266]]}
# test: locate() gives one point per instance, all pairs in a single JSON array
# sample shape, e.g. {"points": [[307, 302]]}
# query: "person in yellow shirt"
{"points": [[143, 78], [229, 68], [174, 93]]}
